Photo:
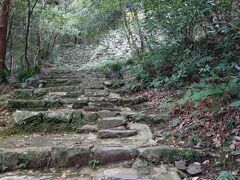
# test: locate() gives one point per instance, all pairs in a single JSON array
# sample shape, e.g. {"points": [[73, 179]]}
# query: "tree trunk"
{"points": [[30, 11], [3, 31]]}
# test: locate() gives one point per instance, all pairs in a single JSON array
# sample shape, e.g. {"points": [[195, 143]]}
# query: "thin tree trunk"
{"points": [[30, 11], [3, 32], [140, 32]]}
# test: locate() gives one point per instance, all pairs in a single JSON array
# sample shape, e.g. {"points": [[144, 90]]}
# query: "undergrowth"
{"points": [[24, 73]]}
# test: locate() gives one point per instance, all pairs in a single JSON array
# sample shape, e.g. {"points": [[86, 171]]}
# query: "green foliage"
{"points": [[235, 104], [194, 139], [199, 92], [196, 45], [3, 76], [94, 163], [24, 73], [226, 175]]}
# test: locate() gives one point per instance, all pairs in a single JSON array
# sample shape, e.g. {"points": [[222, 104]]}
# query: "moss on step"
{"points": [[168, 154], [45, 122]]}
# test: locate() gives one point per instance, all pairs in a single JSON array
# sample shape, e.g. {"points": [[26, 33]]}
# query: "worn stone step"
{"points": [[111, 122], [62, 82], [162, 172], [94, 107], [95, 93], [39, 92], [69, 150], [167, 154], [39, 105], [63, 95], [35, 104], [116, 133], [87, 129], [116, 99], [59, 116], [80, 150]]}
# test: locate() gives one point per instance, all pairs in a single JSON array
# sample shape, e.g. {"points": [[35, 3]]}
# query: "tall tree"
{"points": [[3, 31], [30, 11]]}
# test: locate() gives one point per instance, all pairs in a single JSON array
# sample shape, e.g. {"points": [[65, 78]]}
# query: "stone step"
{"points": [[63, 82], [27, 118], [26, 93], [62, 115], [115, 133], [35, 104], [37, 151], [162, 172], [116, 99], [76, 75], [111, 122]]}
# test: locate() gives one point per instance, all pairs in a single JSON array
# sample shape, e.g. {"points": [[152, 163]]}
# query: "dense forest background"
{"points": [[173, 43]]}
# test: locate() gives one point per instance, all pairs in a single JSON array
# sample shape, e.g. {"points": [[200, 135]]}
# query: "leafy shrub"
{"points": [[194, 139], [226, 175], [36, 69], [24, 73], [3, 76]]}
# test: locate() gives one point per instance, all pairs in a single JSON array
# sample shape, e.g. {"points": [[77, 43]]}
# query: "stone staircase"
{"points": [[75, 122]]}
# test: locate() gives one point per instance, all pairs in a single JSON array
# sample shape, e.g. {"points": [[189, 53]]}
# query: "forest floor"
{"points": [[79, 118]]}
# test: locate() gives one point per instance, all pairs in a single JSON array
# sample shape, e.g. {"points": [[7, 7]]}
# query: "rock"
{"points": [[112, 133], [164, 172], [95, 93], [55, 95], [92, 108], [80, 103], [38, 158], [90, 116], [106, 113], [63, 157], [114, 96], [181, 165], [26, 158], [108, 155], [34, 104], [132, 100], [170, 154], [58, 116], [77, 116], [108, 83], [194, 169], [111, 122], [26, 117], [8, 161], [23, 93], [87, 129], [32, 82], [103, 105], [142, 167]]}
